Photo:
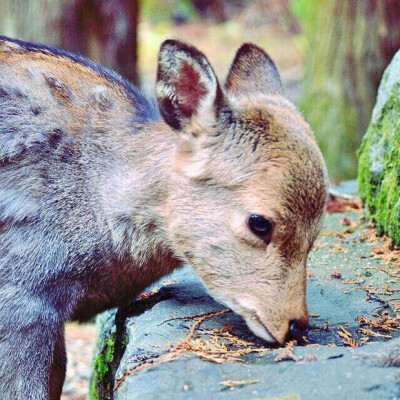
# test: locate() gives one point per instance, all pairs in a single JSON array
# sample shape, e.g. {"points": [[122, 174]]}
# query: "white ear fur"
{"points": [[195, 169], [193, 155]]}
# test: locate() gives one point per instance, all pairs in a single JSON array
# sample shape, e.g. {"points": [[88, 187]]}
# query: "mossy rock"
{"points": [[110, 344], [379, 157]]}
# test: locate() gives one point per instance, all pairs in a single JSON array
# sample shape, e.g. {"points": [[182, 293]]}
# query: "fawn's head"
{"points": [[248, 186]]}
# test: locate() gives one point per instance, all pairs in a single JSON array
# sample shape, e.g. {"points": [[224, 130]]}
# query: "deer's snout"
{"points": [[291, 329]]}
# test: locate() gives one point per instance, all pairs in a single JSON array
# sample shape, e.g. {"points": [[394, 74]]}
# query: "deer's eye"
{"points": [[261, 227]]}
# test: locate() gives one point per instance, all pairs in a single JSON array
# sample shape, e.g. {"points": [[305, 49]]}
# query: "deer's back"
{"points": [[60, 116]]}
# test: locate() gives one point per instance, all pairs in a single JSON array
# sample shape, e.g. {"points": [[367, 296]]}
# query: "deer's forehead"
{"points": [[273, 112], [258, 113], [267, 124], [295, 190]]}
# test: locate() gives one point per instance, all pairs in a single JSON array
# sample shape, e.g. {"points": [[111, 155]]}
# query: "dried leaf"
{"points": [[339, 205], [352, 282], [346, 336]]}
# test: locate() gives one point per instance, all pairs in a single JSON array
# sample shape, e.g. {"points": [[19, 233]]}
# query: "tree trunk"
{"points": [[105, 31], [351, 42], [212, 9], [221, 10]]}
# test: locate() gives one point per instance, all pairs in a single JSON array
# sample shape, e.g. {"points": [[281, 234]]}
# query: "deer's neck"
{"points": [[135, 188]]}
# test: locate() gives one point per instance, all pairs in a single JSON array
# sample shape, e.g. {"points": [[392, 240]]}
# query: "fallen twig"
{"points": [[221, 347], [287, 353], [230, 383]]}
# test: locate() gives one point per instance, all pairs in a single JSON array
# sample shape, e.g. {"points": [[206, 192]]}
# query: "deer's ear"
{"points": [[187, 90], [253, 72]]}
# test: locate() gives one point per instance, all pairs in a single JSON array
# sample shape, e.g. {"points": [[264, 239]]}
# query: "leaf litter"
{"points": [[214, 345], [379, 326]]}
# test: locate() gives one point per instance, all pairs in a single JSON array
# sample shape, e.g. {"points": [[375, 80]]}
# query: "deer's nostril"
{"points": [[298, 329]]}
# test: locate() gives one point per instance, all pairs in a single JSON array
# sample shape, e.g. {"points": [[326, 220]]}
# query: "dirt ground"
{"points": [[80, 341]]}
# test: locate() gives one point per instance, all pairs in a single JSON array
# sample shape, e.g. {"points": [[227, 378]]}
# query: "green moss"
{"points": [[379, 168], [102, 361], [125, 340], [101, 369], [105, 365], [93, 395]]}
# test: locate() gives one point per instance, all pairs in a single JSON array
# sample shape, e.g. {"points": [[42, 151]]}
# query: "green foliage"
{"points": [[334, 123], [101, 362], [306, 13], [105, 365], [158, 11], [379, 168]]}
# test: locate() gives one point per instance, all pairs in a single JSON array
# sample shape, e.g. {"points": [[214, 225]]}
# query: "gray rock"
{"points": [[379, 157], [390, 78]]}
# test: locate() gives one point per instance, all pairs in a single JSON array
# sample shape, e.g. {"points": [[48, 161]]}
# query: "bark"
{"points": [[105, 31], [220, 10], [351, 43]]}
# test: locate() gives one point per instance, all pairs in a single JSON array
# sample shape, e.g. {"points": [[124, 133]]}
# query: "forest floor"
{"points": [[80, 340]]}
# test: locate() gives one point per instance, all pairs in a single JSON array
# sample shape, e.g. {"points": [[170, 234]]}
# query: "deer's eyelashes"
{"points": [[261, 226]]}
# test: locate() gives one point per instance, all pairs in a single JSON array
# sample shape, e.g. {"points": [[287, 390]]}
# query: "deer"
{"points": [[104, 191]]}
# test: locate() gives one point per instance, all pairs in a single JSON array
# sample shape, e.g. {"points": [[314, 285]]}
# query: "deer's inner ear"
{"points": [[187, 89], [253, 72]]}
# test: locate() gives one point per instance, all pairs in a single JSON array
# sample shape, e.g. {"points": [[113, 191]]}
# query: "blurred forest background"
{"points": [[331, 53]]}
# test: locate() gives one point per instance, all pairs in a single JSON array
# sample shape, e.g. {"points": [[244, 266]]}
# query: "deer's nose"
{"points": [[297, 329]]}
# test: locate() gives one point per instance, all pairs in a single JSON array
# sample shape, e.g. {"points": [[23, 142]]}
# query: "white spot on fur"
{"points": [[259, 330], [103, 97]]}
